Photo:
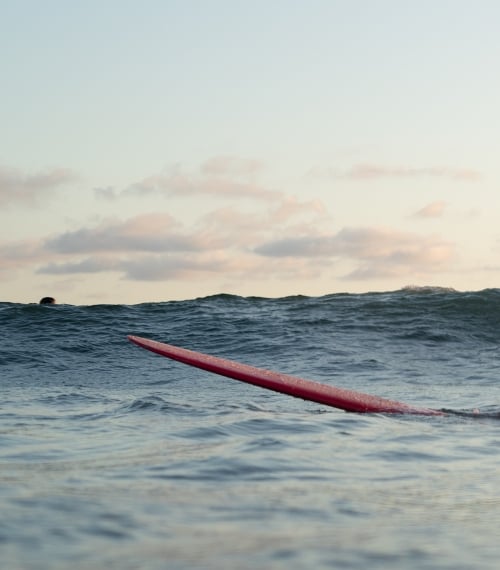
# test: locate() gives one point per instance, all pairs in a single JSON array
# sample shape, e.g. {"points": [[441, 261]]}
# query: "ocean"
{"points": [[114, 457]]}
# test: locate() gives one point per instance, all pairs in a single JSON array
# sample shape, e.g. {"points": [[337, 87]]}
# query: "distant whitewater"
{"points": [[112, 457]]}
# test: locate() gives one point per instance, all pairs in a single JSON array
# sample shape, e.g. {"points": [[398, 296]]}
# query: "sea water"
{"points": [[113, 457]]}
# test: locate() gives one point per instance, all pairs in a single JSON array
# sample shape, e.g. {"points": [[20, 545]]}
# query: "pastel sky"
{"points": [[169, 149]]}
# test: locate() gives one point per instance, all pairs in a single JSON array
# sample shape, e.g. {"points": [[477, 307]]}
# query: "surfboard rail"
{"points": [[341, 398]]}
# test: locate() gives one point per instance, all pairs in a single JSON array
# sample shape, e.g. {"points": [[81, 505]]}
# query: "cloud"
{"points": [[184, 185], [305, 246], [282, 240], [225, 176], [370, 171], [423, 258], [89, 265], [152, 267], [377, 252], [231, 166], [18, 188], [158, 232], [165, 267], [19, 254], [157, 246], [432, 210], [106, 193], [230, 225], [225, 229], [289, 207]]}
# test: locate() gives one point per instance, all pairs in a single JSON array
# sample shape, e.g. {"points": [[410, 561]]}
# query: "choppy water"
{"points": [[112, 457]]}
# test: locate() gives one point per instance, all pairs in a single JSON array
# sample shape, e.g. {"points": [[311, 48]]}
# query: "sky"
{"points": [[157, 150]]}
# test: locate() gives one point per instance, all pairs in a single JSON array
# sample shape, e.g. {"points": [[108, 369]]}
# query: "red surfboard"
{"points": [[347, 400]]}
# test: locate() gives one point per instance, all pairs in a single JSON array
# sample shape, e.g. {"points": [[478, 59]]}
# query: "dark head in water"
{"points": [[47, 301]]}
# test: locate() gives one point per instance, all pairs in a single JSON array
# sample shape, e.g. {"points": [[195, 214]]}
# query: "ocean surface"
{"points": [[114, 457]]}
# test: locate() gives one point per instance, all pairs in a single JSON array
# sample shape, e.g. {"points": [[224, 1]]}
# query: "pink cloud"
{"points": [[433, 210], [376, 251], [283, 241], [231, 166], [19, 254], [290, 207], [31, 190], [228, 177], [370, 171], [149, 232]]}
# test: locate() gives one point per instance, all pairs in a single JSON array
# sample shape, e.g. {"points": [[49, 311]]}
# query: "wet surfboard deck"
{"points": [[341, 398]]}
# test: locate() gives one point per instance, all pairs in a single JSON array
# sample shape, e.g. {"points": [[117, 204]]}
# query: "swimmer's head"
{"points": [[47, 301]]}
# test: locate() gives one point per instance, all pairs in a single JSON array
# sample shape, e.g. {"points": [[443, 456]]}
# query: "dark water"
{"points": [[112, 457]]}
